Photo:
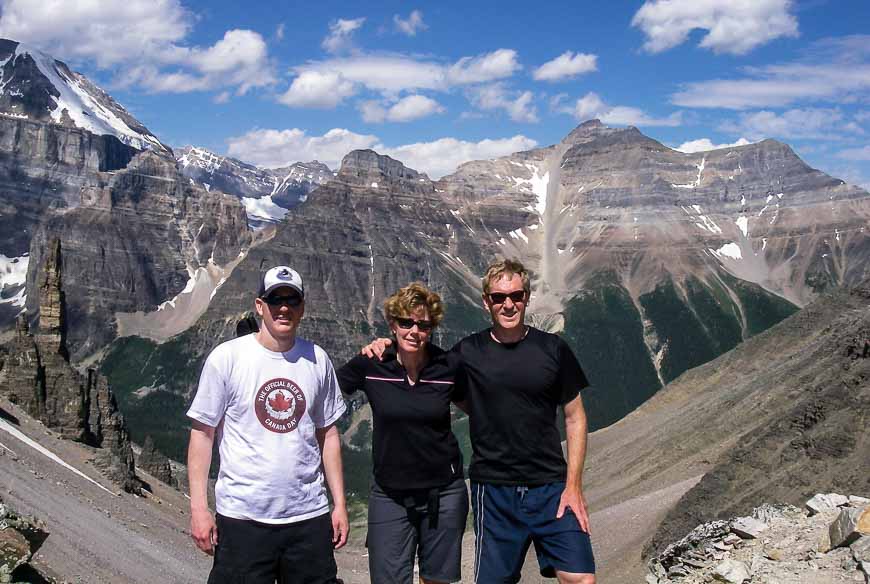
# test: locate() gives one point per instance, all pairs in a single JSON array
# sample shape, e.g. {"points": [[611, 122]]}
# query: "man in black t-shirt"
{"points": [[522, 491]]}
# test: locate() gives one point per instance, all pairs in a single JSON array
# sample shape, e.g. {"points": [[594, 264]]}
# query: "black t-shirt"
{"points": [[513, 392], [412, 445]]}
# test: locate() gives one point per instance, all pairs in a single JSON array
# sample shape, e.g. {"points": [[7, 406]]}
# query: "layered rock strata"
{"points": [[144, 252]]}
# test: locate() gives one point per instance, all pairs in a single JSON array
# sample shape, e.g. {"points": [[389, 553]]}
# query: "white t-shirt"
{"points": [[266, 406]]}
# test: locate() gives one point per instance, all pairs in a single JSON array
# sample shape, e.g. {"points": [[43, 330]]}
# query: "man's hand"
{"points": [[375, 349], [573, 499], [340, 526], [203, 530]]}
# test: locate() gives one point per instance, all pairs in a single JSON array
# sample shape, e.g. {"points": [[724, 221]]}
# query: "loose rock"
{"points": [[748, 527], [826, 502], [731, 571]]}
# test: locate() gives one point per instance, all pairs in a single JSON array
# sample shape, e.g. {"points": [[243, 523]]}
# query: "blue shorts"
{"points": [[507, 519]]}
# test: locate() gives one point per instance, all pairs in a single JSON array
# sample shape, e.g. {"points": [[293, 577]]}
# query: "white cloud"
{"points": [[108, 32], [383, 73], [140, 41], [779, 86], [733, 26], [237, 58], [518, 105], [838, 72], [411, 25], [279, 32], [412, 107], [566, 66], [392, 74], [316, 89], [855, 153], [705, 144], [276, 148], [340, 35], [443, 156], [484, 68], [807, 123], [592, 106]]}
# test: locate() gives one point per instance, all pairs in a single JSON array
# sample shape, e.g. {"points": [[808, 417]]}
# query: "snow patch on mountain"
{"points": [[263, 209], [13, 274]]}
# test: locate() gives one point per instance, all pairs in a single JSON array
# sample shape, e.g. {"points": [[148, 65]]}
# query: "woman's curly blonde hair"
{"points": [[409, 298]]}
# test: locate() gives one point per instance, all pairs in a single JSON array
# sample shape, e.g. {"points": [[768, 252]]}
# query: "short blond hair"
{"points": [[408, 298], [506, 267]]}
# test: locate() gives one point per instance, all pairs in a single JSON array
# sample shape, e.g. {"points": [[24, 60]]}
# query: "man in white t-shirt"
{"points": [[272, 400]]}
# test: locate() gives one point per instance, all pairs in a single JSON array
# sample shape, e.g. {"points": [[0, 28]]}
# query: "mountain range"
{"points": [[647, 260], [267, 193]]}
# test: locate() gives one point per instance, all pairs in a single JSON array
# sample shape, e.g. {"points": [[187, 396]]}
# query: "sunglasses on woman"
{"points": [[516, 297], [408, 323]]}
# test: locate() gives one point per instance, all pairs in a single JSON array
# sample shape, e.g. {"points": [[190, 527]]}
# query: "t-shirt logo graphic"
{"points": [[279, 404]]}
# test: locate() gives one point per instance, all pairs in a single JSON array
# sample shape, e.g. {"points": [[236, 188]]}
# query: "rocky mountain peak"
{"points": [[367, 167], [592, 129], [35, 86]]}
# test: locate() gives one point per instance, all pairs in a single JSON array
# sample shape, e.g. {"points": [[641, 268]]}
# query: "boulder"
{"points": [[748, 527], [731, 571], [849, 526], [826, 502]]}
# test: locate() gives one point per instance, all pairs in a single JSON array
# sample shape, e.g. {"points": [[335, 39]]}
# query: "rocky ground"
{"points": [[827, 543]]}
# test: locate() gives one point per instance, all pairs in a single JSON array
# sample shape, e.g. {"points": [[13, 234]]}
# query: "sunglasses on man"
{"points": [[516, 297], [291, 300], [408, 323]]}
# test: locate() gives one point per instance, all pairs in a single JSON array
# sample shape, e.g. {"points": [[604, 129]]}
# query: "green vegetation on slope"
{"points": [[605, 331]]}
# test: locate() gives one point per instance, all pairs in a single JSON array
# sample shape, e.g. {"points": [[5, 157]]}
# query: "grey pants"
{"points": [[402, 526]]}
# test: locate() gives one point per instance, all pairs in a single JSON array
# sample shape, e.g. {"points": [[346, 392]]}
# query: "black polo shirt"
{"points": [[513, 393], [412, 445]]}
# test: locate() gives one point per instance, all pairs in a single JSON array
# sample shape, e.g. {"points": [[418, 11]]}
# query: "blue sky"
{"points": [[434, 84]]}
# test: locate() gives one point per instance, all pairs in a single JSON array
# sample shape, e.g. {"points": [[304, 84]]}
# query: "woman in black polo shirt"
{"points": [[418, 503]]}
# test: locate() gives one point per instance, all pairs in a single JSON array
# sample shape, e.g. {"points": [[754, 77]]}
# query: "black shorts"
{"points": [[401, 527], [249, 552]]}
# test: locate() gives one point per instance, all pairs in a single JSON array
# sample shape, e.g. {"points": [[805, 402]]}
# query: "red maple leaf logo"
{"points": [[279, 403]]}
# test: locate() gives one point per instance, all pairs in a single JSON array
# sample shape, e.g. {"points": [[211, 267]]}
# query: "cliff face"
{"points": [[134, 241], [36, 375]]}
